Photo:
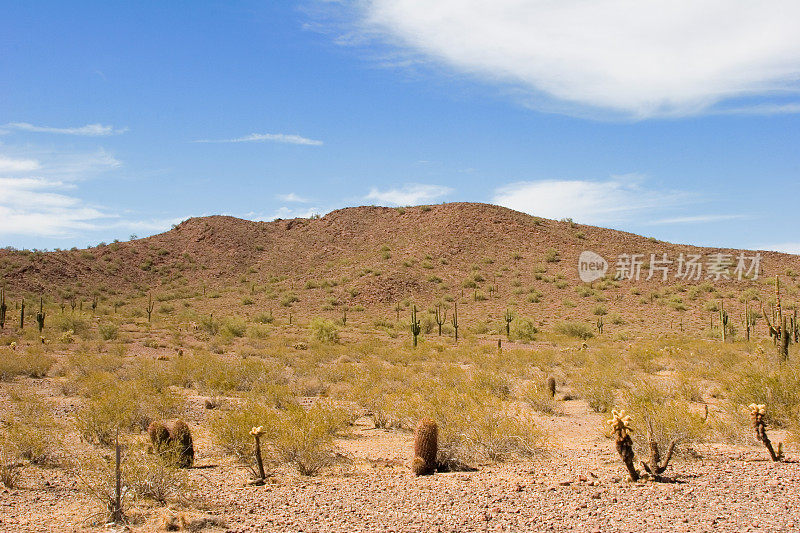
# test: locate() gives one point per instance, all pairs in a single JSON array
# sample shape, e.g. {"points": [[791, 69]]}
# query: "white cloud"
{"points": [[292, 197], [696, 219], [287, 213], [588, 202], [639, 59], [89, 130], [34, 207], [409, 194], [267, 137], [785, 247], [8, 164]]}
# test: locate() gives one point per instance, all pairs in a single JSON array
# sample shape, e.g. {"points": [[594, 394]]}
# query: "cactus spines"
{"points": [[757, 414], [40, 316], [149, 306], [551, 386], [508, 317], [415, 327], [426, 443], [440, 318], [3, 308], [455, 320], [173, 436], [621, 429]]}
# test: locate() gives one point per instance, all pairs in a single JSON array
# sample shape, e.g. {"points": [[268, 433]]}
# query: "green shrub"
{"points": [[324, 331], [577, 330], [33, 362], [108, 331]]}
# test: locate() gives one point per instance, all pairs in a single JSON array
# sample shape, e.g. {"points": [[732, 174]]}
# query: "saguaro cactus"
{"points": [[40, 316], [149, 306], [455, 320], [440, 318], [22, 314], [508, 317], [3, 308], [551, 386], [415, 327], [426, 443]]}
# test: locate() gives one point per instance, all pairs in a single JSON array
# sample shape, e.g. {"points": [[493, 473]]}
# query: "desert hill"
{"points": [[371, 259]]}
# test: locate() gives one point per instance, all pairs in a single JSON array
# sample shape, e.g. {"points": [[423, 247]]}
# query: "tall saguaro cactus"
{"points": [[509, 317], [3, 308], [22, 314], [440, 318], [415, 327], [40, 316], [149, 306], [455, 319]]}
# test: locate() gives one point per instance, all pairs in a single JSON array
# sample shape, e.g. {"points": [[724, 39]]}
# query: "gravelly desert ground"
{"points": [[574, 485]]}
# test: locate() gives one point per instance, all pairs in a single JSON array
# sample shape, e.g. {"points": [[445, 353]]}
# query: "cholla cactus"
{"points": [[757, 414], [621, 429], [256, 433]]}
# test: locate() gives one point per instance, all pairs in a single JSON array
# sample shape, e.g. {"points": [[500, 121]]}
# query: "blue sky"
{"points": [[678, 120]]}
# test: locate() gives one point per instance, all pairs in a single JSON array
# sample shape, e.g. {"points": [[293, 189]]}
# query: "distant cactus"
{"points": [[40, 316], [94, 304], [415, 326], [757, 413], [173, 436], [426, 443], [454, 319], [551, 386], [440, 318], [3, 308], [22, 314], [149, 306], [600, 325], [509, 317]]}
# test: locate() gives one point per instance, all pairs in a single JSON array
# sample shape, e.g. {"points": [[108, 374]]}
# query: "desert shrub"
{"points": [[552, 256], [577, 330], [661, 417], [324, 331], [258, 331], [114, 405], [69, 322], [108, 331], [10, 467], [263, 318], [155, 477], [209, 324], [300, 437], [538, 397], [30, 432], [778, 388], [288, 299], [233, 327], [33, 362], [524, 329], [596, 383]]}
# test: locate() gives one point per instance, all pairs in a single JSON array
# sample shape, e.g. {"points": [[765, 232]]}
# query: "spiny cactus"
{"points": [[149, 306], [440, 318], [3, 308], [655, 466], [256, 433], [426, 443], [508, 317], [173, 436], [94, 304], [621, 429], [40, 316], [454, 319], [22, 314], [600, 325], [415, 327], [551, 386], [757, 414]]}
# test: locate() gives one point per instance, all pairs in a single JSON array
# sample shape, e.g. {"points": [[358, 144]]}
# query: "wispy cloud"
{"points": [[8, 164], [89, 130], [589, 202], [636, 59], [285, 212], [409, 194], [696, 219], [292, 197], [267, 137]]}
